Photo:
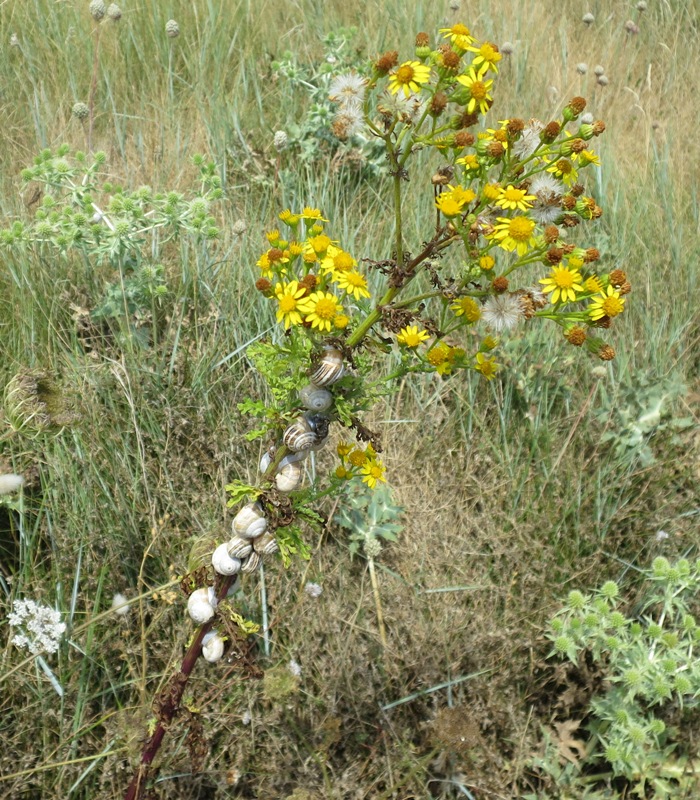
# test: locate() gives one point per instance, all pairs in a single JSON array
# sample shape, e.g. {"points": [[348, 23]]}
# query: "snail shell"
{"points": [[300, 435], [212, 647], [251, 563], [250, 521], [329, 369], [266, 545], [201, 605], [239, 548], [266, 460], [222, 561], [289, 476], [314, 398]]}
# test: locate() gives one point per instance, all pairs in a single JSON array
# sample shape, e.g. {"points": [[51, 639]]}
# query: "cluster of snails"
{"points": [[251, 539]]}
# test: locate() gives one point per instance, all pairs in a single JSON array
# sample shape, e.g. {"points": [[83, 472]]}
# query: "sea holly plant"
{"points": [[502, 248], [650, 663]]}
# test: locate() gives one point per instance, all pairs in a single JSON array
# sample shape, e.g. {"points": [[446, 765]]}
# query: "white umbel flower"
{"points": [[347, 88], [502, 312], [10, 483], [529, 140], [40, 627]]}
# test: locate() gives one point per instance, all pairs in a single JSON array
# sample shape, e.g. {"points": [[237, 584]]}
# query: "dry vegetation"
{"points": [[511, 496]]}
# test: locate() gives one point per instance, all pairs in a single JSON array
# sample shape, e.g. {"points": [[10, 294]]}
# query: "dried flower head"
{"points": [[239, 227], [81, 111], [582, 68], [588, 18], [603, 80], [280, 140], [97, 10], [114, 12], [313, 590], [10, 483], [598, 70], [507, 48], [172, 29], [502, 312]]}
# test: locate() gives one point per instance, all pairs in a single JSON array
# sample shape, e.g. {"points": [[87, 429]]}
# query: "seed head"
{"points": [[280, 141], [603, 80], [588, 19], [81, 111], [606, 353], [114, 12], [172, 29], [631, 27], [387, 61], [582, 68], [500, 284], [641, 6], [575, 336], [507, 48], [97, 9], [438, 103], [598, 70], [10, 483], [239, 227]]}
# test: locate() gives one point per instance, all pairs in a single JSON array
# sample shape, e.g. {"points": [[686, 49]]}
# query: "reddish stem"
{"points": [[150, 749]]}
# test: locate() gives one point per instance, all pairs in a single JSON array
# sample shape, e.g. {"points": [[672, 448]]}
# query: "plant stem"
{"points": [[377, 602], [93, 88]]}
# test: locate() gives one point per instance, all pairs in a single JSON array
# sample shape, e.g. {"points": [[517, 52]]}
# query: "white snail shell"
{"points": [[266, 460], [201, 605], [329, 369], [266, 545], [239, 548], [250, 521], [212, 647], [251, 563], [315, 398], [300, 435], [222, 561], [289, 476]]}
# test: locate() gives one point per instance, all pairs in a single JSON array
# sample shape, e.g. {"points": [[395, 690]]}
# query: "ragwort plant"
{"points": [[649, 660], [502, 250]]}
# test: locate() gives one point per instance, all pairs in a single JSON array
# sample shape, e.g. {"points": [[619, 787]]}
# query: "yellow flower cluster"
{"points": [[308, 275], [355, 461]]}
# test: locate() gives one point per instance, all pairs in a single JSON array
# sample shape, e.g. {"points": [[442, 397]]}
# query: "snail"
{"points": [[289, 476], [239, 548], [266, 460], [212, 647], [223, 563], [202, 604], [251, 563], [250, 521], [315, 398], [266, 545], [300, 435], [328, 369]]}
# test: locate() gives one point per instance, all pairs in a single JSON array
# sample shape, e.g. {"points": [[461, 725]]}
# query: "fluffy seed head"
{"points": [[10, 483]]}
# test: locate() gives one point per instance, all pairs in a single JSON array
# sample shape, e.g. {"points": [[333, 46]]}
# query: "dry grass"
{"points": [[510, 496]]}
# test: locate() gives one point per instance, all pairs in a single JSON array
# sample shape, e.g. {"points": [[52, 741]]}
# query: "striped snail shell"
{"points": [[222, 561], [201, 605], [300, 435], [315, 398], [250, 521], [239, 548], [266, 545], [251, 563], [328, 369], [266, 460], [212, 647], [289, 476]]}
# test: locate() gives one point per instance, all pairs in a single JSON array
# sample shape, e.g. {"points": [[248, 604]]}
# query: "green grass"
{"points": [[508, 488]]}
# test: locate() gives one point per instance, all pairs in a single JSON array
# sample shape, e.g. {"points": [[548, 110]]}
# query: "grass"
{"points": [[508, 488]]}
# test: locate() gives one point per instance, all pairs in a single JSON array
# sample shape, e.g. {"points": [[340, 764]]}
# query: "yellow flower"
{"points": [[489, 343], [343, 449], [323, 308], [515, 199], [439, 357], [487, 54], [515, 234], [408, 77], [459, 35], [295, 249], [564, 170], [372, 472], [312, 213], [589, 157], [343, 473], [337, 261], [292, 303], [487, 262], [341, 321], [492, 191], [486, 366], [592, 284], [607, 304], [478, 89], [272, 236], [264, 263], [468, 307], [563, 283], [319, 244], [460, 194], [451, 202], [411, 336], [288, 218], [353, 283], [470, 162], [357, 458]]}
